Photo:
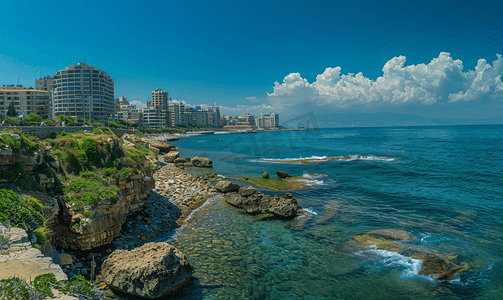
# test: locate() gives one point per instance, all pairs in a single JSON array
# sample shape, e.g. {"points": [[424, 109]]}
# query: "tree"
{"points": [[11, 111], [33, 119]]}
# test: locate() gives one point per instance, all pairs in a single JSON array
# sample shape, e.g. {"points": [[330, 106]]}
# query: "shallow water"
{"points": [[442, 185]]}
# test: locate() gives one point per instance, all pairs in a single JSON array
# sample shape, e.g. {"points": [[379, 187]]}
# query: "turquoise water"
{"points": [[441, 184]]}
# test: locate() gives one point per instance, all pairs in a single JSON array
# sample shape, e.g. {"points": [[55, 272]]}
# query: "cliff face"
{"points": [[101, 180], [73, 230]]}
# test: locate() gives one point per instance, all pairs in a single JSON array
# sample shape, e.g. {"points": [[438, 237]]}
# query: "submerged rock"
{"points": [[202, 162], [434, 265], [152, 271], [281, 205], [227, 186], [283, 174]]}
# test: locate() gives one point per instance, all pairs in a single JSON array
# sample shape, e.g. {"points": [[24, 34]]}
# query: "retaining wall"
{"points": [[43, 132]]}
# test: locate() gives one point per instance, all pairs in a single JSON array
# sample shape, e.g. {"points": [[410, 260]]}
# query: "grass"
{"points": [[276, 184]]}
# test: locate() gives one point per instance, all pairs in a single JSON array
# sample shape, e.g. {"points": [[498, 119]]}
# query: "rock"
{"points": [[202, 162], [391, 234], [78, 265], [449, 274], [172, 139], [227, 186], [152, 271], [181, 160], [171, 156], [247, 191], [280, 205], [65, 259], [265, 175], [154, 149], [84, 271], [282, 174]]}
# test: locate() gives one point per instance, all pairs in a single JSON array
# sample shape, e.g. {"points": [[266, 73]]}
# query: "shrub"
{"points": [[18, 176], [15, 145], [18, 212], [88, 214], [97, 131], [33, 119], [37, 246], [35, 203], [139, 134], [43, 234], [90, 147]]}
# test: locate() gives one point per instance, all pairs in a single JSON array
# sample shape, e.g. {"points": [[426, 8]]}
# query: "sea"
{"points": [[442, 184]]}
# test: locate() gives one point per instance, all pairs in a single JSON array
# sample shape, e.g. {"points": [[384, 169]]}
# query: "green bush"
{"points": [[42, 233], [48, 172], [40, 288], [97, 131], [139, 134], [18, 176], [37, 246], [90, 147], [33, 119], [88, 214], [18, 211]]}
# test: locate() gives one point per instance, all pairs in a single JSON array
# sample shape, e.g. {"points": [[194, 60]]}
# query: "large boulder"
{"points": [[163, 147], [265, 175], [247, 191], [202, 162], [152, 271], [227, 186], [280, 205], [171, 156], [282, 174]]}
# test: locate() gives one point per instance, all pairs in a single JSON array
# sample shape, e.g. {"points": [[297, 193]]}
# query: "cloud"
{"points": [[138, 104], [252, 99], [442, 81]]}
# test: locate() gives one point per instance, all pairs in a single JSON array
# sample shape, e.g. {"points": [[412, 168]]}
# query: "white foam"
{"points": [[392, 259], [220, 176], [310, 211], [299, 158]]}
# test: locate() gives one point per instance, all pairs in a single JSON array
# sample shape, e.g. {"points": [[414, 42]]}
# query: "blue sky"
{"points": [[233, 52]]}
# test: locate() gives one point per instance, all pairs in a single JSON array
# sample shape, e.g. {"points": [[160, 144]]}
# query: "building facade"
{"points": [[160, 100], [152, 118], [47, 84], [84, 91], [270, 120], [26, 100]]}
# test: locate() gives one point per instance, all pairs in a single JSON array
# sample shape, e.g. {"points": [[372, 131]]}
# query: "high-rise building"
{"points": [[160, 100], [26, 100], [84, 91], [119, 102], [270, 120], [47, 84]]}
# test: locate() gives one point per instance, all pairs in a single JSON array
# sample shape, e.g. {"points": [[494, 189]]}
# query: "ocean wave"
{"points": [[411, 266], [320, 159]]}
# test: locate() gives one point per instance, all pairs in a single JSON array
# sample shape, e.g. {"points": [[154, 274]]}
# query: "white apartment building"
{"points": [[84, 91]]}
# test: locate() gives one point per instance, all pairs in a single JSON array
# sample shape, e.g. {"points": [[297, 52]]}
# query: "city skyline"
{"points": [[422, 58]]}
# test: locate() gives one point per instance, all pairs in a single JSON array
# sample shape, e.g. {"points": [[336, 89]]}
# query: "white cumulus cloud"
{"points": [[440, 81]]}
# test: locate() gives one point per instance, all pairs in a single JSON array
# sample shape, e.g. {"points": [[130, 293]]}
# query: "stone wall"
{"points": [[43, 132]]}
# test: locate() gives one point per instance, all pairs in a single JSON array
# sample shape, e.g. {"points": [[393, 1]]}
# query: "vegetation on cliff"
{"points": [[24, 213], [94, 163]]}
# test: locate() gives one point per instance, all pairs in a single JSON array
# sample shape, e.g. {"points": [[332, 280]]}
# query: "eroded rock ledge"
{"points": [[253, 202]]}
